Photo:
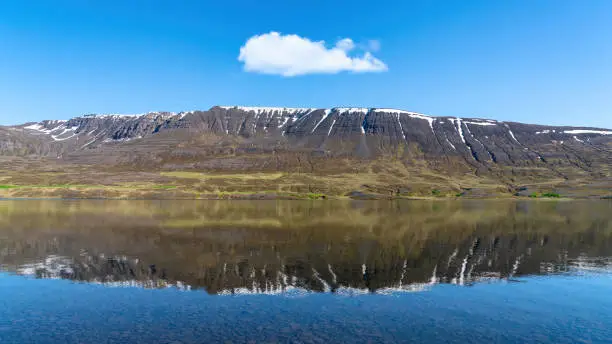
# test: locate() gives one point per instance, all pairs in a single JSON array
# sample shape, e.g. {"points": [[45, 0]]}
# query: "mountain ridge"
{"points": [[288, 109], [481, 138]]}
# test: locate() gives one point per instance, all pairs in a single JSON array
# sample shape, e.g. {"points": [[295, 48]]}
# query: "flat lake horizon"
{"points": [[346, 271]]}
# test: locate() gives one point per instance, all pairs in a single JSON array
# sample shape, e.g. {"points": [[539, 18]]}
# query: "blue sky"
{"points": [[544, 61]]}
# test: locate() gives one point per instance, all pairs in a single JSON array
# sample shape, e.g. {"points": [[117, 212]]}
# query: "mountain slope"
{"points": [[380, 142]]}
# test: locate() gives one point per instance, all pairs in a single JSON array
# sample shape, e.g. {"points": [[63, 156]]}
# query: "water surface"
{"points": [[298, 271]]}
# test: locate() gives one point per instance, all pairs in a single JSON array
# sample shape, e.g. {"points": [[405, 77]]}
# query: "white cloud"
{"points": [[345, 44], [291, 55]]}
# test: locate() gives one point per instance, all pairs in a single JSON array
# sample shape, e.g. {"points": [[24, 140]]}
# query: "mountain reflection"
{"points": [[274, 247]]}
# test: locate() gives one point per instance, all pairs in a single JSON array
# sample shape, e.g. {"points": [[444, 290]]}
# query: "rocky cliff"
{"points": [[360, 131]]}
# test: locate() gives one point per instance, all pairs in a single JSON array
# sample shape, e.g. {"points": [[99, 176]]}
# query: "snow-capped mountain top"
{"points": [[476, 140], [132, 116], [258, 110]]}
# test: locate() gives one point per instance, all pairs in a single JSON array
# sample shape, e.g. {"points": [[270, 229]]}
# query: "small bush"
{"points": [[436, 192], [316, 196], [551, 195], [533, 195]]}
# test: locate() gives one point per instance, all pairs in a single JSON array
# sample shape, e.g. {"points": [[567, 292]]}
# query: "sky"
{"points": [[533, 61]]}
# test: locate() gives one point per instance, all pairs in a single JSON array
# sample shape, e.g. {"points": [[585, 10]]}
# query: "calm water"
{"points": [[320, 272]]}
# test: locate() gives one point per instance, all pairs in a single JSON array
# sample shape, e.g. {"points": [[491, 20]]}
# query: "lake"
{"points": [[459, 271]]}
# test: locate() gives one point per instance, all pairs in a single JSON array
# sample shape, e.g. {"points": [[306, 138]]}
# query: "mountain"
{"points": [[323, 141]]}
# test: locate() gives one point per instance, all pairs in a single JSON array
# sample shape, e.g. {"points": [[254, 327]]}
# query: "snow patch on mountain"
{"points": [[586, 131], [480, 123]]}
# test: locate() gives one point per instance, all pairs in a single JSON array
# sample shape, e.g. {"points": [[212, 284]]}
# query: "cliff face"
{"points": [[370, 132]]}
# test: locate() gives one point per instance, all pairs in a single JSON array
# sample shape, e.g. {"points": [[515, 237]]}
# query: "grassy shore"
{"points": [[374, 180], [92, 191]]}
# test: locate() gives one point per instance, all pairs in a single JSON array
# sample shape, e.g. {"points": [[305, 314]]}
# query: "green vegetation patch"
{"points": [[231, 176], [164, 187], [545, 195]]}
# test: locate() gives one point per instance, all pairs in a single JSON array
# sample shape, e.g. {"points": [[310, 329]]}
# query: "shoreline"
{"points": [[302, 197]]}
